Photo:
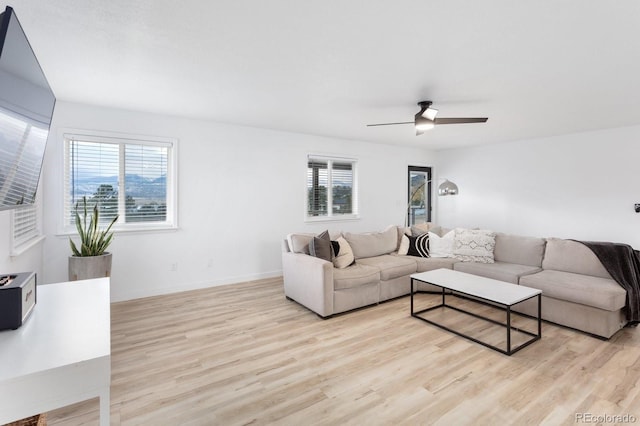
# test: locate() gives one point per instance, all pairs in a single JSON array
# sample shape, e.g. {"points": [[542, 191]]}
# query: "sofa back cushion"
{"points": [[372, 244], [299, 243], [572, 256], [520, 250]]}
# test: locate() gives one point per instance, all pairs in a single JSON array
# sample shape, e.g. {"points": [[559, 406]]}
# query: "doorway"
{"points": [[419, 195]]}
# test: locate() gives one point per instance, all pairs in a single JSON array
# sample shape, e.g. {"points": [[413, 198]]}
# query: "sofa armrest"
{"points": [[309, 281]]}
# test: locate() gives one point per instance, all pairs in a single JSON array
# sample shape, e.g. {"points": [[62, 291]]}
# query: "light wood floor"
{"points": [[243, 354]]}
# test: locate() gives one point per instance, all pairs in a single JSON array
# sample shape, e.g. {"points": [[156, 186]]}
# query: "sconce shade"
{"points": [[447, 188]]}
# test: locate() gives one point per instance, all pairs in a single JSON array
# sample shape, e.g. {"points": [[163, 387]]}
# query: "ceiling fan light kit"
{"points": [[430, 113], [426, 119]]}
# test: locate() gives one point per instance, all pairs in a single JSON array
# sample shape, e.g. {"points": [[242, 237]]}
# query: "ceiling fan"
{"points": [[425, 119]]}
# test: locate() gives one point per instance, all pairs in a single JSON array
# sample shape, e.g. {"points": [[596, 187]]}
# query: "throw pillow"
{"points": [[335, 246], [441, 246], [404, 245], [474, 245], [320, 246], [344, 256], [419, 246]]}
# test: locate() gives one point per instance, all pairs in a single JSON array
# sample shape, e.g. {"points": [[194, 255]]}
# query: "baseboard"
{"points": [[131, 294]]}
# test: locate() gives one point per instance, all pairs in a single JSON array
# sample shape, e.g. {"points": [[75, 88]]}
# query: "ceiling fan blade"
{"points": [[460, 120], [390, 124]]}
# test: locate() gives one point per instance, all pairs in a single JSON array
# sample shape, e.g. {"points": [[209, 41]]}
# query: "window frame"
{"points": [[331, 216], [171, 223]]}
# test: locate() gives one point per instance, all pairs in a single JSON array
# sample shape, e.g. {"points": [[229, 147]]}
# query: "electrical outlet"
{"points": [[174, 267], [210, 263]]}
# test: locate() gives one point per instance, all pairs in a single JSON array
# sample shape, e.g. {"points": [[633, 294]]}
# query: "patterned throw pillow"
{"points": [[415, 246], [474, 245]]}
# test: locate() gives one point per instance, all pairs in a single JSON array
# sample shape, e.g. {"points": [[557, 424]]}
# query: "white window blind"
{"points": [[331, 188], [133, 179], [25, 225]]}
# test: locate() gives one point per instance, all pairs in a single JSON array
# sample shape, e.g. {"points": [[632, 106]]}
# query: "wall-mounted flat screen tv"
{"points": [[26, 108]]}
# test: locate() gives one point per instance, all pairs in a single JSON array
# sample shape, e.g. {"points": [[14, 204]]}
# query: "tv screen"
{"points": [[26, 108]]}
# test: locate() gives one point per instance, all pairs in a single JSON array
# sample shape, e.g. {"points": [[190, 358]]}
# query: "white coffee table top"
{"points": [[474, 285]]}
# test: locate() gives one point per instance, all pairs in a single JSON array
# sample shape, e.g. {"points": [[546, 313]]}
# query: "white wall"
{"points": [[241, 190], [580, 186]]}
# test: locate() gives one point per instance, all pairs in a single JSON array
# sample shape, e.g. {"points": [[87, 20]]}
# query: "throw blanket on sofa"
{"points": [[623, 264]]}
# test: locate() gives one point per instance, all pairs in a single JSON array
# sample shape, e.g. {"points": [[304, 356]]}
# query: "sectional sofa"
{"points": [[577, 290]]}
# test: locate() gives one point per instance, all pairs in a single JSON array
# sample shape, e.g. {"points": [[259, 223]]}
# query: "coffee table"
{"points": [[500, 294]]}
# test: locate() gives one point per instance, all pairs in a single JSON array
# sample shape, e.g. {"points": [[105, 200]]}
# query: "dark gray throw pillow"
{"points": [[320, 246]]}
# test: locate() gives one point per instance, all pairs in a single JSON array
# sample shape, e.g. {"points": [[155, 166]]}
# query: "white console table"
{"points": [[62, 353]]}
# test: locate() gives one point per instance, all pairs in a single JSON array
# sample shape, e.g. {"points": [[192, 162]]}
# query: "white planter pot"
{"points": [[84, 268]]}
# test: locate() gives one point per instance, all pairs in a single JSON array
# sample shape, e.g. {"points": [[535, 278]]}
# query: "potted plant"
{"points": [[90, 260]]}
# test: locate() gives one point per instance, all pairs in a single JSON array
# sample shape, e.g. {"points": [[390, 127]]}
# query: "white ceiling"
{"points": [[535, 68]]}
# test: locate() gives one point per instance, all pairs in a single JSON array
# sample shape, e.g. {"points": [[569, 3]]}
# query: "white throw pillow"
{"points": [[441, 246], [404, 246], [474, 245], [344, 257]]}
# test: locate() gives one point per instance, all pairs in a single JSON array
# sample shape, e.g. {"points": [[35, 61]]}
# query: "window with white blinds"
{"points": [[331, 188], [131, 178], [25, 226]]}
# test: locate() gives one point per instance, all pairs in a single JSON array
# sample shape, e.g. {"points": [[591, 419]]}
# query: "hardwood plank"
{"points": [[243, 354]]}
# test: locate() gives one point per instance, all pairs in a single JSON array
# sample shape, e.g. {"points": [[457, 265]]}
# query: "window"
{"points": [[419, 195], [331, 188], [132, 178], [25, 228]]}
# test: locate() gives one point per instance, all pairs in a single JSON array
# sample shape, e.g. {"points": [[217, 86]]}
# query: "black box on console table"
{"points": [[17, 298]]}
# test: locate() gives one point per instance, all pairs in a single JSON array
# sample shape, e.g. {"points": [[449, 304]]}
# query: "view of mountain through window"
{"points": [[122, 178]]}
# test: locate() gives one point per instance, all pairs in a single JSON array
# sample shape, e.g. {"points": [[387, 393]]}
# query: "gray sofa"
{"points": [[577, 290]]}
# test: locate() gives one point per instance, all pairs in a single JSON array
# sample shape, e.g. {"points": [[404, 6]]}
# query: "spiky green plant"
{"points": [[94, 241]]}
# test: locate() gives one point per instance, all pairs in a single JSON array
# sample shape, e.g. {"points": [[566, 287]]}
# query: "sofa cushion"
{"points": [[320, 246], [603, 293], [344, 256], [414, 246], [402, 231], [518, 249], [424, 264], [423, 228], [441, 246], [299, 243], [572, 256], [391, 266], [502, 271], [372, 244], [355, 276], [474, 245]]}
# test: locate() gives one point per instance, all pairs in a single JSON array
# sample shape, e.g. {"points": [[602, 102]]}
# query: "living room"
{"points": [[557, 157]]}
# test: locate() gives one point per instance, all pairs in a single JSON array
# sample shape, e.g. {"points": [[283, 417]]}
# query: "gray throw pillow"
{"points": [[320, 246]]}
